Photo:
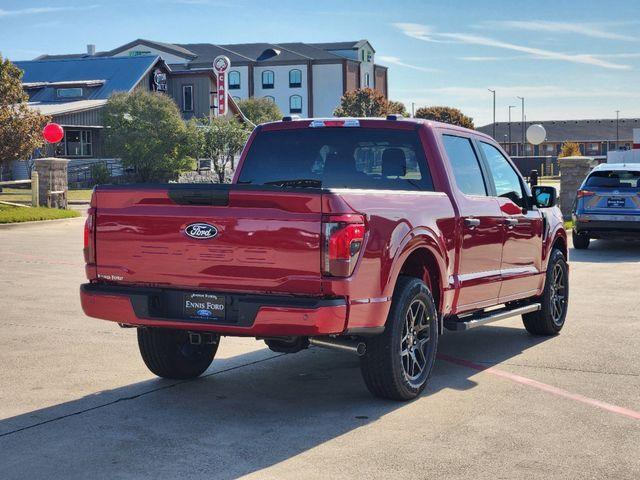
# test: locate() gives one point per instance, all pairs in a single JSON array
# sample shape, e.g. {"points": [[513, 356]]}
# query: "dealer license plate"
{"points": [[615, 202], [203, 306]]}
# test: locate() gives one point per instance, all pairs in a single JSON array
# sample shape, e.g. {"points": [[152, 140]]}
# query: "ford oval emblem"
{"points": [[204, 313], [200, 231]]}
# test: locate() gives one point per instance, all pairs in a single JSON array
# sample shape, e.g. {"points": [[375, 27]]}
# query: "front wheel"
{"points": [[171, 354], [398, 362], [554, 301]]}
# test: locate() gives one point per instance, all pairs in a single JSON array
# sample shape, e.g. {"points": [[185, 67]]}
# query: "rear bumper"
{"points": [[247, 315], [608, 225]]}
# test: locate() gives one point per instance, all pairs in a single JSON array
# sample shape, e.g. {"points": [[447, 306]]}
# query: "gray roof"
{"points": [[178, 50], [596, 130], [101, 76], [202, 54], [341, 45]]}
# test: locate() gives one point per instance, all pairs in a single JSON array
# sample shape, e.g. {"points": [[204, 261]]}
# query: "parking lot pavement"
{"points": [[77, 402]]}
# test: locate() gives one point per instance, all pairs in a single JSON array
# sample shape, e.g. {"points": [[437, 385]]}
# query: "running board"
{"points": [[458, 325]]}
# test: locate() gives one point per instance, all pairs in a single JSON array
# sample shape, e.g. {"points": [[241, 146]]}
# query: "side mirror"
{"points": [[544, 197]]}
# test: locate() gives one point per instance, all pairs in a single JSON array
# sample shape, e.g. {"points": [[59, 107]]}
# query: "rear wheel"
{"points": [[398, 363], [171, 353], [554, 302], [580, 240]]}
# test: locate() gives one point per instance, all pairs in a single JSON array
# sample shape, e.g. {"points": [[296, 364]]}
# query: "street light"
{"points": [[617, 128], [494, 112], [510, 107], [522, 98]]}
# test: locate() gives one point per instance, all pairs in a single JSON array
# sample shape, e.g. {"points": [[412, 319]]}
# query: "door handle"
{"points": [[472, 222], [511, 222]]}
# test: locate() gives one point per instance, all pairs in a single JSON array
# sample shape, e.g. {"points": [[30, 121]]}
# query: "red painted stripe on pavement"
{"points": [[541, 386]]}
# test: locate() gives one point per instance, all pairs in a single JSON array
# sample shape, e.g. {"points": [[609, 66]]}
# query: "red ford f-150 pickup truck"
{"points": [[368, 235]]}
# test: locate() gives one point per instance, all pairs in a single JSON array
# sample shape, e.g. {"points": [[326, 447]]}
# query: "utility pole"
{"points": [[523, 139], [617, 128], [510, 107], [494, 112]]}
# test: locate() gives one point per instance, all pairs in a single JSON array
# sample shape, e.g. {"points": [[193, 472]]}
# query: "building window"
{"points": [[267, 79], [187, 98], [75, 92], [295, 78], [270, 98], [295, 104], [366, 80], [236, 99], [592, 147], [78, 143], [234, 80]]}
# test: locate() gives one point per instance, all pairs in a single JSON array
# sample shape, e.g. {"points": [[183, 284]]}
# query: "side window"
{"points": [[465, 164], [505, 178]]}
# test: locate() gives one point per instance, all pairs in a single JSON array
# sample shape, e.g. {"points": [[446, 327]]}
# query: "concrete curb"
{"points": [[8, 226]]}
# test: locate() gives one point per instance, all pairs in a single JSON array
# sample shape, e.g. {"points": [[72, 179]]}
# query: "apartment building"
{"points": [[305, 79]]}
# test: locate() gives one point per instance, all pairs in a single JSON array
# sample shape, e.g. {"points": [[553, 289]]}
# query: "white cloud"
{"points": [[39, 10], [491, 59], [425, 33], [397, 61], [586, 29]]}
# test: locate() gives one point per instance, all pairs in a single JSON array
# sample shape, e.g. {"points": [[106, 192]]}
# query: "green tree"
{"points": [[397, 108], [570, 149], [446, 115], [364, 102], [259, 110], [221, 140], [145, 130], [20, 126]]}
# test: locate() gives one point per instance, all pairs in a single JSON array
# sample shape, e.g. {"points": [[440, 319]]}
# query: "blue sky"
{"points": [[569, 59]]}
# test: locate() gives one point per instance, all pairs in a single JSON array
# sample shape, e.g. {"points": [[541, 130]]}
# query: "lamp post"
{"points": [[494, 112], [522, 98], [617, 128], [510, 107]]}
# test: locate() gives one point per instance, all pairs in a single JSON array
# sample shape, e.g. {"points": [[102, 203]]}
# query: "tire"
{"points": [[170, 354], [550, 319], [580, 240], [387, 372]]}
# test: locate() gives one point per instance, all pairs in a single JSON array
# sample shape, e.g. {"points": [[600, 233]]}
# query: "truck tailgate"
{"points": [[266, 241]]}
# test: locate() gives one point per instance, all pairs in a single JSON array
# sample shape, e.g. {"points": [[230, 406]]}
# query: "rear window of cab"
{"points": [[337, 157]]}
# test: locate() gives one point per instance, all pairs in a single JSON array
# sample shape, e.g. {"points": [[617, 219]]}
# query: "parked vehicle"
{"points": [[608, 204], [366, 235]]}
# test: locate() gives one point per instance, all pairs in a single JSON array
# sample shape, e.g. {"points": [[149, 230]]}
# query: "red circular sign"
{"points": [[52, 132]]}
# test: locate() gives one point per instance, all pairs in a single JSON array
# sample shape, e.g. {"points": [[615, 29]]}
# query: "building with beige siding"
{"points": [[305, 79]]}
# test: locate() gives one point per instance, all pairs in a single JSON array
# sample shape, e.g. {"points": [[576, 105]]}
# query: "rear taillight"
{"points": [[89, 237], [585, 193], [343, 236]]}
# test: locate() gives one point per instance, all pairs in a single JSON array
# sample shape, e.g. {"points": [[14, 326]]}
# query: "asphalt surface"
{"points": [[77, 402]]}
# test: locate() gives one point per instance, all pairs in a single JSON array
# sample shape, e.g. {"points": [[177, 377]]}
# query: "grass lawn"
{"points": [[22, 195], [9, 214]]}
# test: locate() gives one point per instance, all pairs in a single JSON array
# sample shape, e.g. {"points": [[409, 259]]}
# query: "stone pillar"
{"points": [[53, 182], [573, 170]]}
